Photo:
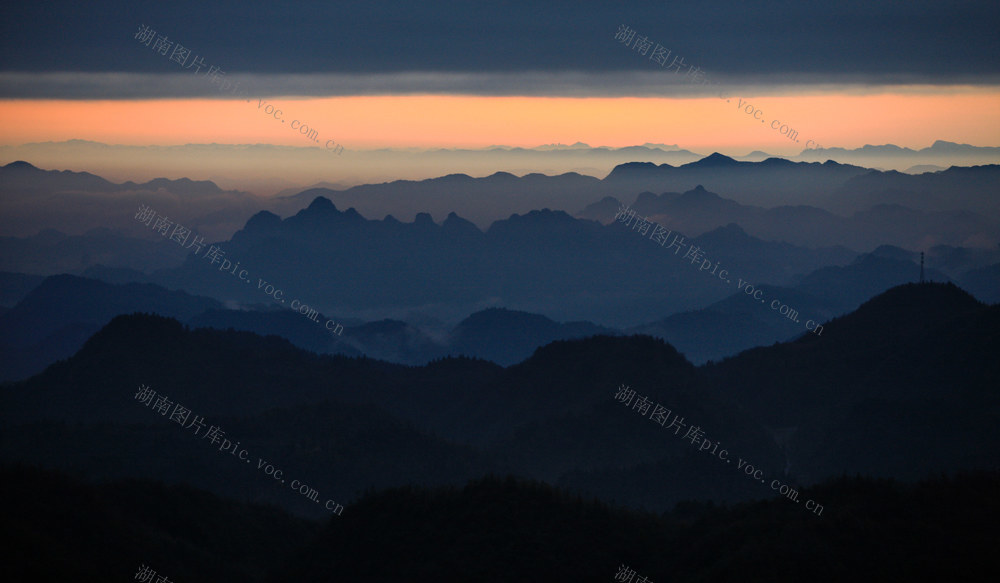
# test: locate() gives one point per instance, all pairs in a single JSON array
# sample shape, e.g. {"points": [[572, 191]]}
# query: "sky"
{"points": [[730, 76]]}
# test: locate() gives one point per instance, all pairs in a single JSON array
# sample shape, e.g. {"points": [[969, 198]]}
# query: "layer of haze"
{"points": [[906, 117]]}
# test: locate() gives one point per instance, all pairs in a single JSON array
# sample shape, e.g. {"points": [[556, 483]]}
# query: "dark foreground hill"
{"points": [[908, 381], [345, 424], [493, 529], [903, 387], [55, 318], [59, 528], [499, 530]]}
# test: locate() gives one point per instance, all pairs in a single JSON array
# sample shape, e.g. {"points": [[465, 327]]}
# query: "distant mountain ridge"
{"points": [[768, 182], [698, 210], [938, 147], [22, 176], [59, 314], [33, 200], [544, 261]]}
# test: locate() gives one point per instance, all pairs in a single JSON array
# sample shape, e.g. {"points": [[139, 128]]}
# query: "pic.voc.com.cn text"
{"points": [[696, 254], [696, 436], [181, 55], [215, 254], [180, 415]]}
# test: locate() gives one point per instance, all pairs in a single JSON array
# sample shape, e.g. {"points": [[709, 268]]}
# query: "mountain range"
{"points": [[544, 262], [798, 410], [266, 168], [35, 199], [55, 318], [697, 211], [49, 320], [506, 526]]}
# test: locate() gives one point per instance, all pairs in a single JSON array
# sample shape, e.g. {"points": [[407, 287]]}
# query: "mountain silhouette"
{"points": [[541, 262], [698, 211], [506, 528], [798, 409]]}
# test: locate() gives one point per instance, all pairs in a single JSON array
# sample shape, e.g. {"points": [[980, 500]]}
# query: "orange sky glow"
{"points": [[905, 118]]}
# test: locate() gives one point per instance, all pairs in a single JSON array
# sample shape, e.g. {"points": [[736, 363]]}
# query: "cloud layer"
{"points": [[932, 41]]}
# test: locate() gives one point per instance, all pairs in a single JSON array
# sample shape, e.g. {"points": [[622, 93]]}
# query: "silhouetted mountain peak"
{"points": [[21, 165], [890, 252], [492, 318], [713, 160], [322, 204], [352, 215], [775, 162], [323, 213], [698, 193], [21, 174], [534, 221], [262, 222], [183, 185], [133, 331], [456, 224], [618, 352], [890, 148], [913, 303], [451, 179], [731, 234], [944, 146], [634, 170], [501, 178]]}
